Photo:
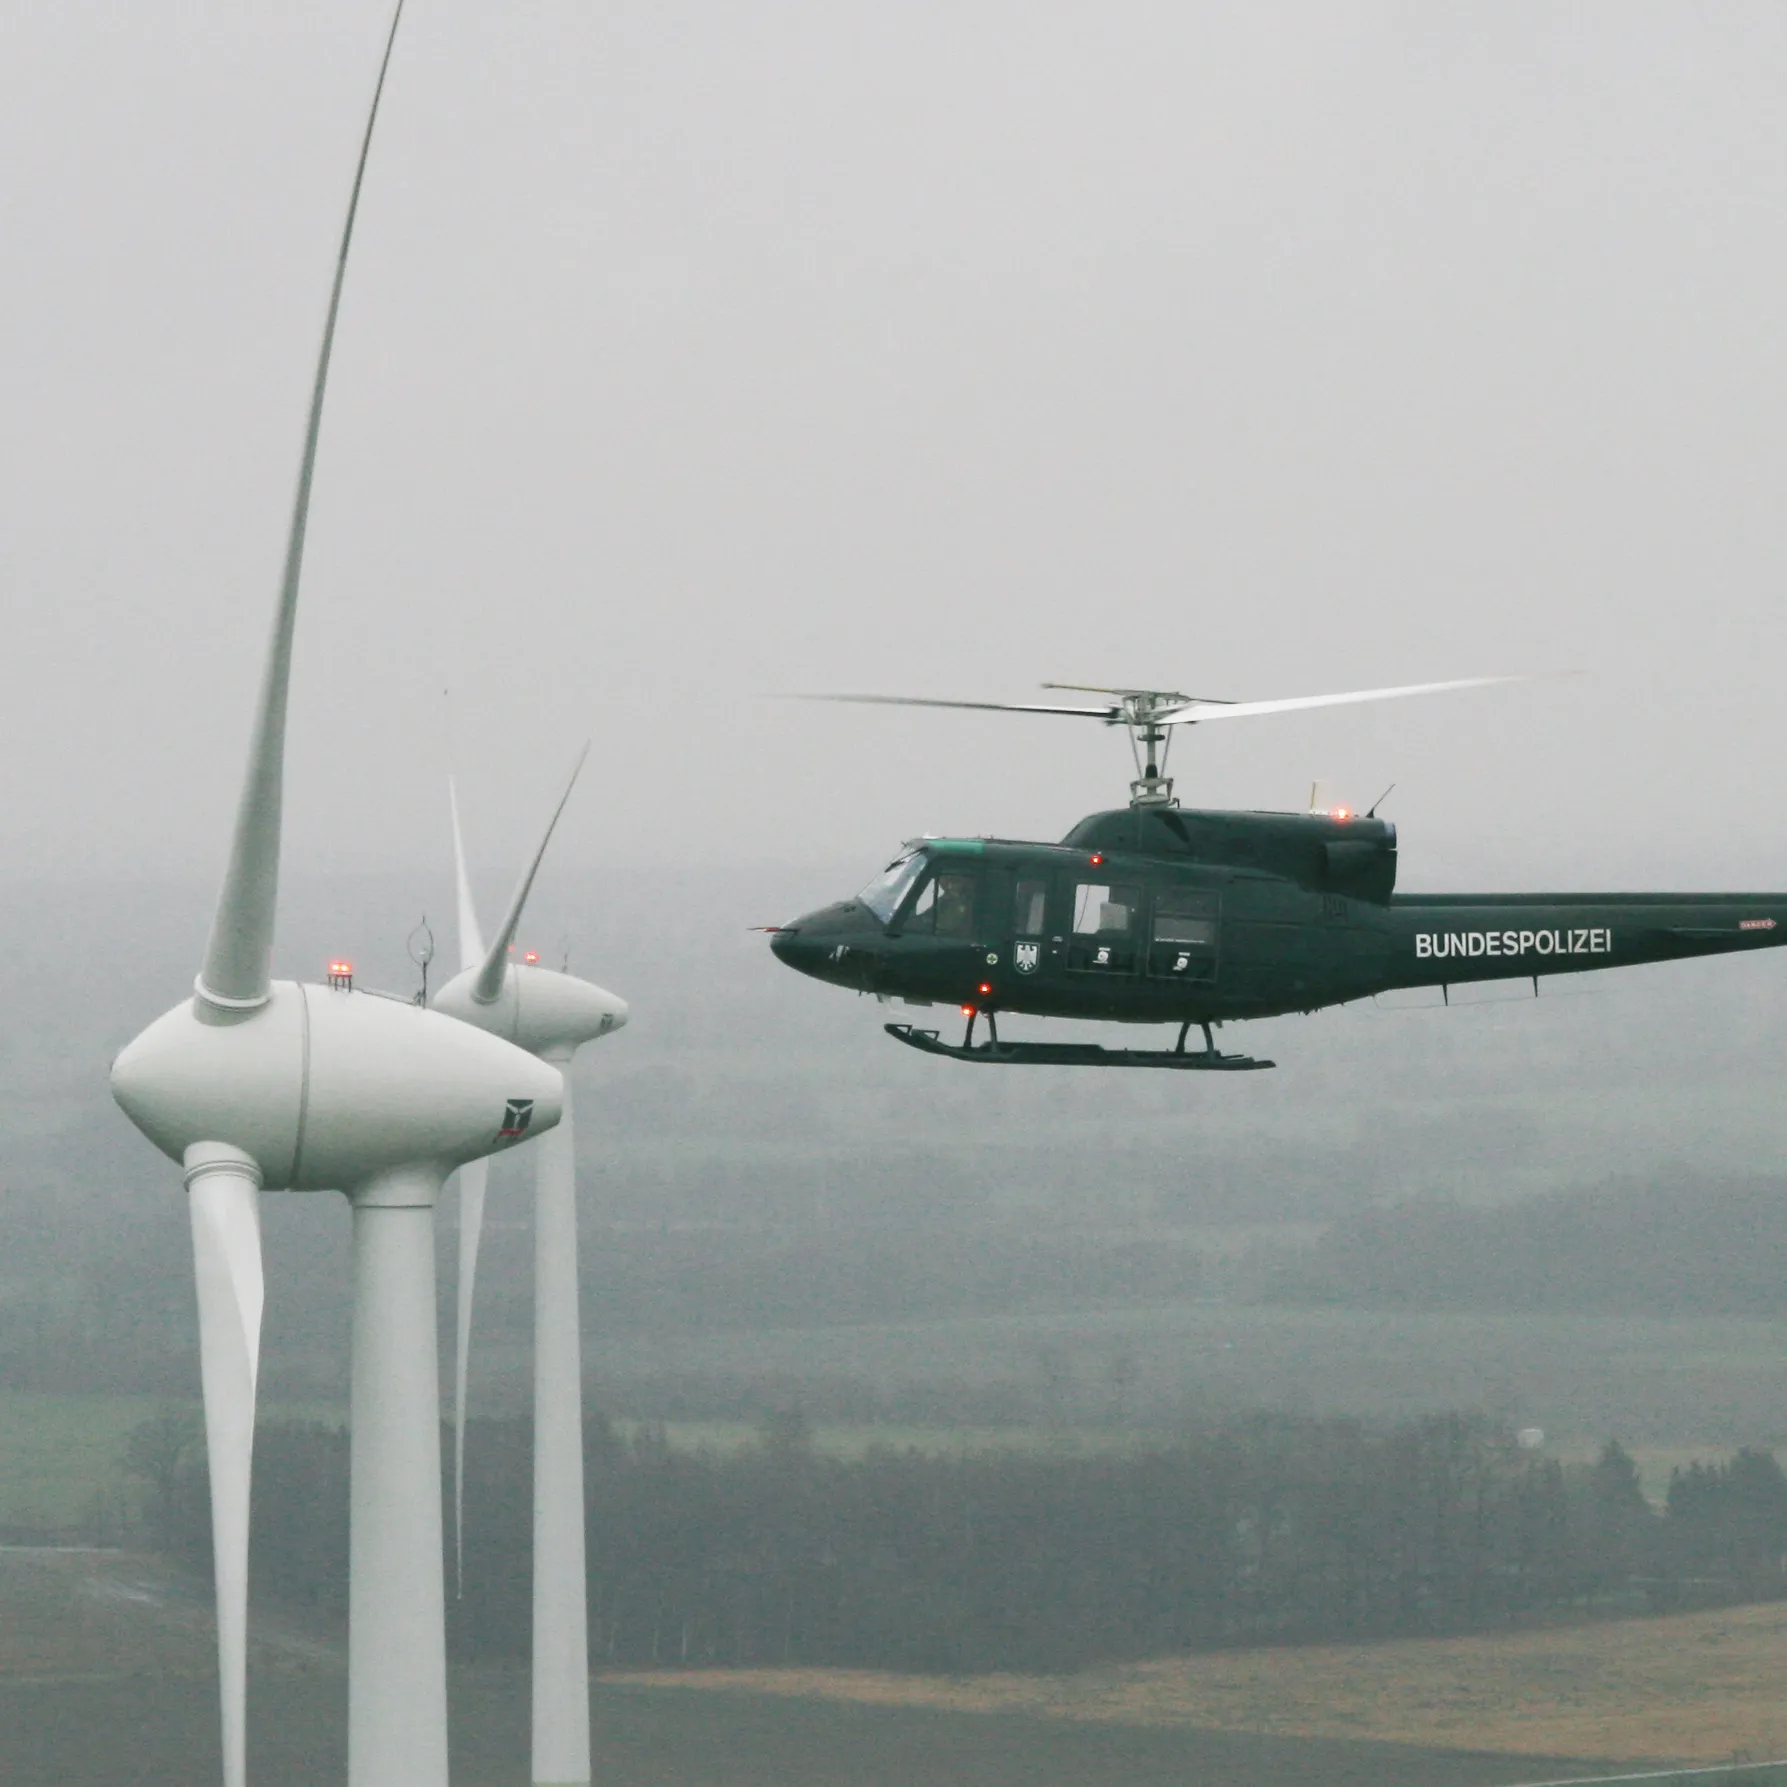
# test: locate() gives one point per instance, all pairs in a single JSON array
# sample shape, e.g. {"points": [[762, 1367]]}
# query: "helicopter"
{"points": [[1153, 913]]}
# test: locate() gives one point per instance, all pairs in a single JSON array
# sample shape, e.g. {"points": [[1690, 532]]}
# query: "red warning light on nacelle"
{"points": [[533, 955], [341, 967]]}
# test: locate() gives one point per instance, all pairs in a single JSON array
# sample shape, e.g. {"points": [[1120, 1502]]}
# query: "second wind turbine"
{"points": [[550, 1014]]}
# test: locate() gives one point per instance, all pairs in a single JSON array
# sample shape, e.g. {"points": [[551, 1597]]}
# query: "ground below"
{"points": [[107, 1675]]}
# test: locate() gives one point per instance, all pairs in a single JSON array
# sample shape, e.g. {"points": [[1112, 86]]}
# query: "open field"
{"points": [[1689, 1382], [107, 1677], [59, 1455], [1689, 1688], [62, 1457], [847, 1440], [159, 1733]]}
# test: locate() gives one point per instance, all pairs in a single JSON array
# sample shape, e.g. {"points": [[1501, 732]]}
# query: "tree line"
{"points": [[1263, 1531]]}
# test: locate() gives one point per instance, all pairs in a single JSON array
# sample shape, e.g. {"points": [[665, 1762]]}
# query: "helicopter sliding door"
{"points": [[1028, 943]]}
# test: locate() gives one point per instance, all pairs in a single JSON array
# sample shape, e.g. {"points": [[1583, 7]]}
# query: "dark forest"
{"points": [[1260, 1531]]}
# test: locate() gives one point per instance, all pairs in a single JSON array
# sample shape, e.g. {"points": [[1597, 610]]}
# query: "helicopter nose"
{"points": [[820, 943], [787, 945], [804, 945]]}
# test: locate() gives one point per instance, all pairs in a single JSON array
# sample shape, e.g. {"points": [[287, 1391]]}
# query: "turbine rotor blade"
{"points": [[238, 953], [473, 1180], [223, 1193], [1242, 710], [489, 984], [471, 939]]}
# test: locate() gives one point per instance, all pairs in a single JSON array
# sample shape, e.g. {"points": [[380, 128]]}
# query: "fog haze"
{"points": [[690, 356]]}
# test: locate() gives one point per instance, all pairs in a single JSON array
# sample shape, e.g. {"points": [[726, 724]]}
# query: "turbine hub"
{"points": [[539, 1009]]}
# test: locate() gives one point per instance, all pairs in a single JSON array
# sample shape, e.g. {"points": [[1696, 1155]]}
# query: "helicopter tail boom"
{"points": [[1443, 939]]}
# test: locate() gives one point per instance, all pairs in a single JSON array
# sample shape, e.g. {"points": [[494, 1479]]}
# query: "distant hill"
{"points": [[1673, 1248]]}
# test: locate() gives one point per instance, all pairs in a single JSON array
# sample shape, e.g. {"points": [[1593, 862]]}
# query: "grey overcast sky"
{"points": [[691, 353]]}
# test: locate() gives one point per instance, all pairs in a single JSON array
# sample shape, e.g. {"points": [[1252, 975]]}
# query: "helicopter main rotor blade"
{"points": [[1198, 714], [1108, 714], [1167, 695]]}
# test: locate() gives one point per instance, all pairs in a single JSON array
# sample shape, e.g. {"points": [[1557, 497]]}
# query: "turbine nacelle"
{"points": [[538, 1009], [325, 1088]]}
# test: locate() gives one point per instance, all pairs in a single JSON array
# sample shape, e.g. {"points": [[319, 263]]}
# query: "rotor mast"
{"points": [[1142, 714]]}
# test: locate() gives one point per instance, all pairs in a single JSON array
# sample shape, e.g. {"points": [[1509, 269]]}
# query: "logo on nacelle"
{"points": [[518, 1113]]}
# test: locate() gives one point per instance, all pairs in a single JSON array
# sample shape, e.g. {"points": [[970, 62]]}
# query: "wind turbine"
{"points": [[550, 1014], [255, 1083]]}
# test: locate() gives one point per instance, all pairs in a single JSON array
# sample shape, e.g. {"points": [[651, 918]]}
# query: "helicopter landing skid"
{"points": [[1071, 1054]]}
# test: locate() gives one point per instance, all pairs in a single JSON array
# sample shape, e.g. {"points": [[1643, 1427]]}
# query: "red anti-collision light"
{"points": [[1343, 812], [967, 1011], [533, 955], [341, 967], [985, 988], [1096, 861]]}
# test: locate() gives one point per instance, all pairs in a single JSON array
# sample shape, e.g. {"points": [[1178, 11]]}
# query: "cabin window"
{"points": [[1032, 907], [1101, 909], [1184, 935], [1183, 927], [1104, 926]]}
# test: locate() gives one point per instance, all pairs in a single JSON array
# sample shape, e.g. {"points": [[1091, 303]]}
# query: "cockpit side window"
{"points": [[883, 895], [944, 907], [955, 905]]}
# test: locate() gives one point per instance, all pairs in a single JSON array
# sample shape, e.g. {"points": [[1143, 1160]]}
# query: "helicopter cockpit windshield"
{"points": [[883, 895]]}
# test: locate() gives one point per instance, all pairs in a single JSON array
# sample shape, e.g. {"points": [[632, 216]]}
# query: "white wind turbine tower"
{"points": [[550, 1014], [254, 1083]]}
